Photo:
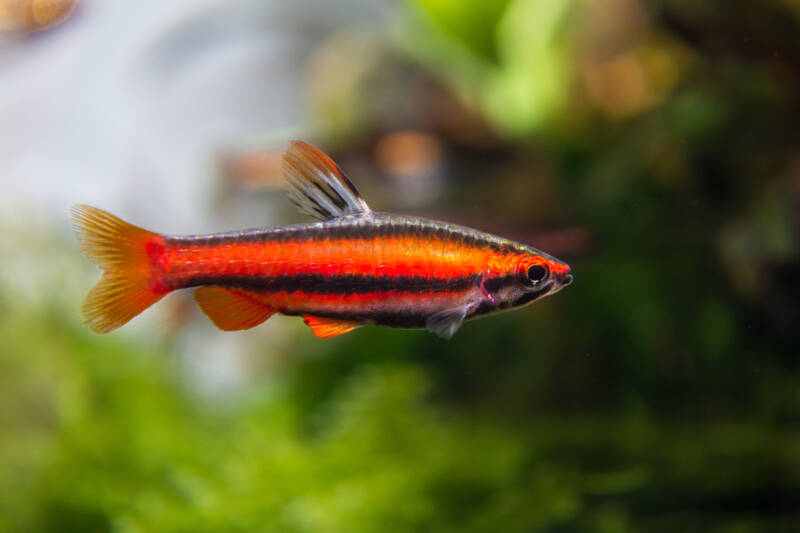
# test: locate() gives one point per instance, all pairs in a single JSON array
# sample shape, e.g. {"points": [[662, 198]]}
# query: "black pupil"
{"points": [[537, 273]]}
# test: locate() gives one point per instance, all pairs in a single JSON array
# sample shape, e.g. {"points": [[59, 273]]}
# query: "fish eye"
{"points": [[537, 273]]}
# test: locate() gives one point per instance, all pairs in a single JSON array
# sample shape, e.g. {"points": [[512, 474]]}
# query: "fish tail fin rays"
{"points": [[125, 253], [317, 186], [233, 309]]}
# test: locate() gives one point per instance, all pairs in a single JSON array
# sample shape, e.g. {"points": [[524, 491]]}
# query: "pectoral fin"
{"points": [[446, 323], [329, 327], [233, 309]]}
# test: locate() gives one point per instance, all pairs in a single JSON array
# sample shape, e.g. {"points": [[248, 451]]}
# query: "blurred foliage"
{"points": [[658, 393], [506, 55], [101, 435]]}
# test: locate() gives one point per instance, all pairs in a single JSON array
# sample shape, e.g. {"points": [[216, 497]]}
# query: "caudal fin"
{"points": [[126, 255]]}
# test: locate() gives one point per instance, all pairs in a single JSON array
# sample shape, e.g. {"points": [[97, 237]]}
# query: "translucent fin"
{"points": [[446, 323], [233, 309], [125, 253], [329, 327], [116, 299], [317, 186]]}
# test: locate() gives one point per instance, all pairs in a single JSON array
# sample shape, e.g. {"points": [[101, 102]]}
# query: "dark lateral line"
{"points": [[393, 319], [495, 284], [340, 284], [334, 232]]}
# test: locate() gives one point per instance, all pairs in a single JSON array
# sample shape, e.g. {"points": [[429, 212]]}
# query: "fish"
{"points": [[352, 267]]}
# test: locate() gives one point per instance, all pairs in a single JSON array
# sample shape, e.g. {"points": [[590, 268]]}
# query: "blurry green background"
{"points": [[653, 145]]}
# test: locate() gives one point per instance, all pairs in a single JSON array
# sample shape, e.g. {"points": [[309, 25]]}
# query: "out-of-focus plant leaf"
{"points": [[472, 24], [520, 81], [530, 84]]}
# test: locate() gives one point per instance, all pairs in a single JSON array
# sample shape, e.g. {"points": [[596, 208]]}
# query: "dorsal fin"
{"points": [[329, 327], [317, 186], [233, 309]]}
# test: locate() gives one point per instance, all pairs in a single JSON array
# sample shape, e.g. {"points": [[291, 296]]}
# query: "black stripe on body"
{"points": [[357, 228], [399, 318], [337, 284], [496, 284], [412, 318]]}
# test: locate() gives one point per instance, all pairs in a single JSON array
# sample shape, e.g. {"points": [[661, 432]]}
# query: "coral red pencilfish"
{"points": [[355, 267]]}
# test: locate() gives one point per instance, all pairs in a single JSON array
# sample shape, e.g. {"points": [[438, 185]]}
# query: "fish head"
{"points": [[533, 275]]}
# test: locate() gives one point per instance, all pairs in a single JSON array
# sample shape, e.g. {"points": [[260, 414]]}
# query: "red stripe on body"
{"points": [[380, 256]]}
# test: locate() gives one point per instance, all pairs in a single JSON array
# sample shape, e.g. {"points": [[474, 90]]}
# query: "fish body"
{"points": [[352, 268]]}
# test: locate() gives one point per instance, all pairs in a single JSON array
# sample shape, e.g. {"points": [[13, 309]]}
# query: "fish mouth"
{"points": [[561, 281]]}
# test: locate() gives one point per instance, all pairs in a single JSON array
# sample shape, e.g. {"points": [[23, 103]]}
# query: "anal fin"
{"points": [[329, 327], [233, 309]]}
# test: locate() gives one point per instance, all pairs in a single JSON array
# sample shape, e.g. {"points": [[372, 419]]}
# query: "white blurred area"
{"points": [[127, 106]]}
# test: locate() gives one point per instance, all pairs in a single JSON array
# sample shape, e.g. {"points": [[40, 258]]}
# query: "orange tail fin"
{"points": [[126, 255]]}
